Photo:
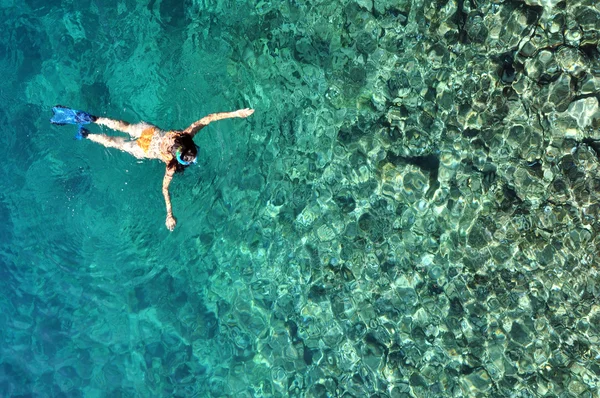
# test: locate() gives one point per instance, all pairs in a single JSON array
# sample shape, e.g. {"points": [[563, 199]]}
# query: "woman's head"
{"points": [[184, 151]]}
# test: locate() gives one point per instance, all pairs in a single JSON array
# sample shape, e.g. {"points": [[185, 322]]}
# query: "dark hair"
{"points": [[185, 144]]}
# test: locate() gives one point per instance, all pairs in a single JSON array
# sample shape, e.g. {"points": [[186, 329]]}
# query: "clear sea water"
{"points": [[297, 267]]}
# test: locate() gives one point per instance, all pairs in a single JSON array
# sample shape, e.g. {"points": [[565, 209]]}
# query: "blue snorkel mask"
{"points": [[183, 162]]}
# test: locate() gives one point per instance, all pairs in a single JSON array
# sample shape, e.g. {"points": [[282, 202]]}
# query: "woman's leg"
{"points": [[120, 143], [134, 130]]}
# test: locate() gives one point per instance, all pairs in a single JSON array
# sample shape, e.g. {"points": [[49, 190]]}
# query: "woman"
{"points": [[174, 147]]}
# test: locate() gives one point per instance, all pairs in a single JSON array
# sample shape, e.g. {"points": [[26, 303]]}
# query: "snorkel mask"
{"points": [[183, 162]]}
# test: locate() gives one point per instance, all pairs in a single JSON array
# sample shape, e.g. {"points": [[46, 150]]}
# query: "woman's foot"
{"points": [[82, 133]]}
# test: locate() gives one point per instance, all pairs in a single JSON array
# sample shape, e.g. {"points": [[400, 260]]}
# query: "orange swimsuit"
{"points": [[156, 143], [146, 138]]}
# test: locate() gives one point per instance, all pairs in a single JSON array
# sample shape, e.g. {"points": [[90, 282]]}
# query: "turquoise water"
{"points": [[410, 212]]}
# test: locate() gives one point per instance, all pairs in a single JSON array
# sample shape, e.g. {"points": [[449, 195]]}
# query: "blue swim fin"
{"points": [[81, 133], [64, 115]]}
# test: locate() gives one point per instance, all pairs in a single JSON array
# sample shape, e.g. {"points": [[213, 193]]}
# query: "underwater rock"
{"points": [[588, 17], [584, 111], [543, 67], [519, 334], [590, 84], [556, 96], [475, 383], [475, 28], [548, 5], [571, 61]]}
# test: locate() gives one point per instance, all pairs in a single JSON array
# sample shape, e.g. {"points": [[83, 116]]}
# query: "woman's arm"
{"points": [[171, 221], [205, 121]]}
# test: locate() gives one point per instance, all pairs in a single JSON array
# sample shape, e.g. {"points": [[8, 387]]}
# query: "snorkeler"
{"points": [[174, 147]]}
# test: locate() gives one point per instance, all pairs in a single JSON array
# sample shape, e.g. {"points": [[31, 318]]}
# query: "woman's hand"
{"points": [[244, 112], [171, 222]]}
